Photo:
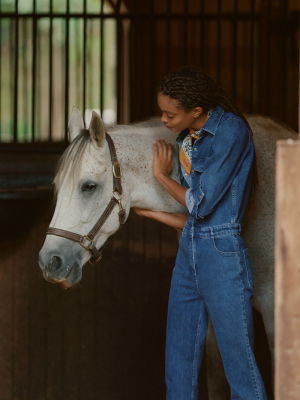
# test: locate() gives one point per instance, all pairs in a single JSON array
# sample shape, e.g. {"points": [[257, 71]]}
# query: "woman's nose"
{"points": [[163, 119]]}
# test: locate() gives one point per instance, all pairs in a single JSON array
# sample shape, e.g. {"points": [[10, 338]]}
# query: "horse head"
{"points": [[87, 181]]}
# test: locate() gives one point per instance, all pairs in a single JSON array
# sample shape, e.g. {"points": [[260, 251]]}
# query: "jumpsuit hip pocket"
{"points": [[226, 245]]}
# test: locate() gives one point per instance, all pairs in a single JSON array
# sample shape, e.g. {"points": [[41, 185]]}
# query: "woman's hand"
{"points": [[162, 162]]}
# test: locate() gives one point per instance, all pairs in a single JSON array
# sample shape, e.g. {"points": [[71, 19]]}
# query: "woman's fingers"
{"points": [[155, 149], [162, 160], [169, 151], [161, 147]]}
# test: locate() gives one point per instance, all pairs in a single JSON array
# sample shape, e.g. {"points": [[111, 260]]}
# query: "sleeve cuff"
{"points": [[189, 200]]}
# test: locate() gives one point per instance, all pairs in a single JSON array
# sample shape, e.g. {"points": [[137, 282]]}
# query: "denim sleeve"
{"points": [[232, 144]]}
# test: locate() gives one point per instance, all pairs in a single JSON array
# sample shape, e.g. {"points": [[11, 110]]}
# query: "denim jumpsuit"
{"points": [[212, 275]]}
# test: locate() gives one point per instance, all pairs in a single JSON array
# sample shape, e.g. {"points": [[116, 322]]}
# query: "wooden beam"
{"points": [[287, 271]]}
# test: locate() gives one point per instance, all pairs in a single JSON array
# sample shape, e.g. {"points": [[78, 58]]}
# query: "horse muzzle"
{"points": [[59, 269]]}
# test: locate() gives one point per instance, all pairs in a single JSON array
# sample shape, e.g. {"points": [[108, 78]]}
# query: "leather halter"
{"points": [[87, 241]]}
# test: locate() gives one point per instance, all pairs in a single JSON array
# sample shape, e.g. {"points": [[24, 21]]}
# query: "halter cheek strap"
{"points": [[87, 241]]}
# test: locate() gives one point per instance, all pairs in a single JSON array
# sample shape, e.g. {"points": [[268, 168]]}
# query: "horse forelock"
{"points": [[70, 161]]}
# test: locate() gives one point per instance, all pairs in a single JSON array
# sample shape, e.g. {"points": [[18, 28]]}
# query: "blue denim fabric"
{"points": [[221, 170], [213, 275]]}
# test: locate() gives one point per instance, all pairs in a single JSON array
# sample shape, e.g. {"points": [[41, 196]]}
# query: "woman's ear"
{"points": [[97, 130], [197, 111], [75, 124]]}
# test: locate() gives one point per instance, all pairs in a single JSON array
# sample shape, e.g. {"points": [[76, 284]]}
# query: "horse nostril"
{"points": [[56, 264]]}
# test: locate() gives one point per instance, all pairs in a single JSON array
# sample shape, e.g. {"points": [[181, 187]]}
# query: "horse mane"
{"points": [[71, 159]]}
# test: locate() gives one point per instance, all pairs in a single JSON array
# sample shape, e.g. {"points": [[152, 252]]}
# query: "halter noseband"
{"points": [[87, 241]]}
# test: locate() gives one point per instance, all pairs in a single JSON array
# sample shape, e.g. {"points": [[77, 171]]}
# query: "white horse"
{"points": [[84, 185]]}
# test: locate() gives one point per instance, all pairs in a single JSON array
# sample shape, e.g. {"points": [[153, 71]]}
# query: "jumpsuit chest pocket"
{"points": [[202, 152]]}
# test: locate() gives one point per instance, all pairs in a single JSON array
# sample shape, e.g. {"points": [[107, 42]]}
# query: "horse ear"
{"points": [[75, 124], [97, 130]]}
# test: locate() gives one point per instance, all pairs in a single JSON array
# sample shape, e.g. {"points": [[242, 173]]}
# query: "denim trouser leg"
{"points": [[212, 275], [186, 331]]}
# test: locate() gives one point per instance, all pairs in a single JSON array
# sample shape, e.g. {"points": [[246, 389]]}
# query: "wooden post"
{"points": [[287, 271]]}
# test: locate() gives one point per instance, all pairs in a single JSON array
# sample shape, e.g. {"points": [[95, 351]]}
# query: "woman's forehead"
{"points": [[167, 104]]}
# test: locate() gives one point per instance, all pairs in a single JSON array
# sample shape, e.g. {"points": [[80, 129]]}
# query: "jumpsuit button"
{"points": [[199, 197], [193, 170], [195, 148]]}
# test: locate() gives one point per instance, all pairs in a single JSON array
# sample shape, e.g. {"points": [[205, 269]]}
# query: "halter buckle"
{"points": [[120, 206], [85, 237], [116, 175]]}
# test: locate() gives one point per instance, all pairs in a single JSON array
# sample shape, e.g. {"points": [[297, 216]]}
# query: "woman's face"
{"points": [[174, 118]]}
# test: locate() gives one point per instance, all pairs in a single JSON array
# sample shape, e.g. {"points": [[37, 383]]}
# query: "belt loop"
{"points": [[240, 228], [212, 233]]}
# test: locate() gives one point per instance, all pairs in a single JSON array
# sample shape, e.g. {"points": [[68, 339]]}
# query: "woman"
{"points": [[212, 275]]}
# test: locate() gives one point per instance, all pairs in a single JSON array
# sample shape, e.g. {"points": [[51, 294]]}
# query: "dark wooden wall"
{"points": [[105, 338]]}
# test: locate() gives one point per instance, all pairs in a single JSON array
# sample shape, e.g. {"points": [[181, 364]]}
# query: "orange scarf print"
{"points": [[185, 155]]}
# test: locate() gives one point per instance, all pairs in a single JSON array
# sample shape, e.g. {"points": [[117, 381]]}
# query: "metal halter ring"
{"points": [[93, 263], [114, 171], [85, 237]]}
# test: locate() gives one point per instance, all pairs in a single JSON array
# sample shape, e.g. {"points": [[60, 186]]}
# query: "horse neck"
{"points": [[135, 153]]}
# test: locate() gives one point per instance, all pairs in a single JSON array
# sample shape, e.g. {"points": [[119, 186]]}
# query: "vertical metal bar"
{"points": [[101, 58], [11, 74], [50, 70], [16, 71], [185, 41], [202, 34], [252, 57], [299, 86], [67, 69], [168, 52], [25, 73], [268, 59], [219, 42], [152, 57], [119, 63], [38, 111], [234, 50], [264, 73], [133, 62], [0, 73], [118, 6], [84, 56], [34, 32], [77, 66], [285, 59]]}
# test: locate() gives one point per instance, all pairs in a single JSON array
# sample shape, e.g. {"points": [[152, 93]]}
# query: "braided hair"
{"points": [[192, 87]]}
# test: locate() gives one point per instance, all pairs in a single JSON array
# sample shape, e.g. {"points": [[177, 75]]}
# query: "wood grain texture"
{"points": [[287, 272]]}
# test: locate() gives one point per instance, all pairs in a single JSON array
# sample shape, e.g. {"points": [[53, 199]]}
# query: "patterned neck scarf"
{"points": [[185, 155]]}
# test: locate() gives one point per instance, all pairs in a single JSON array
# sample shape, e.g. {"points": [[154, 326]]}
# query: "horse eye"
{"points": [[88, 187]]}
